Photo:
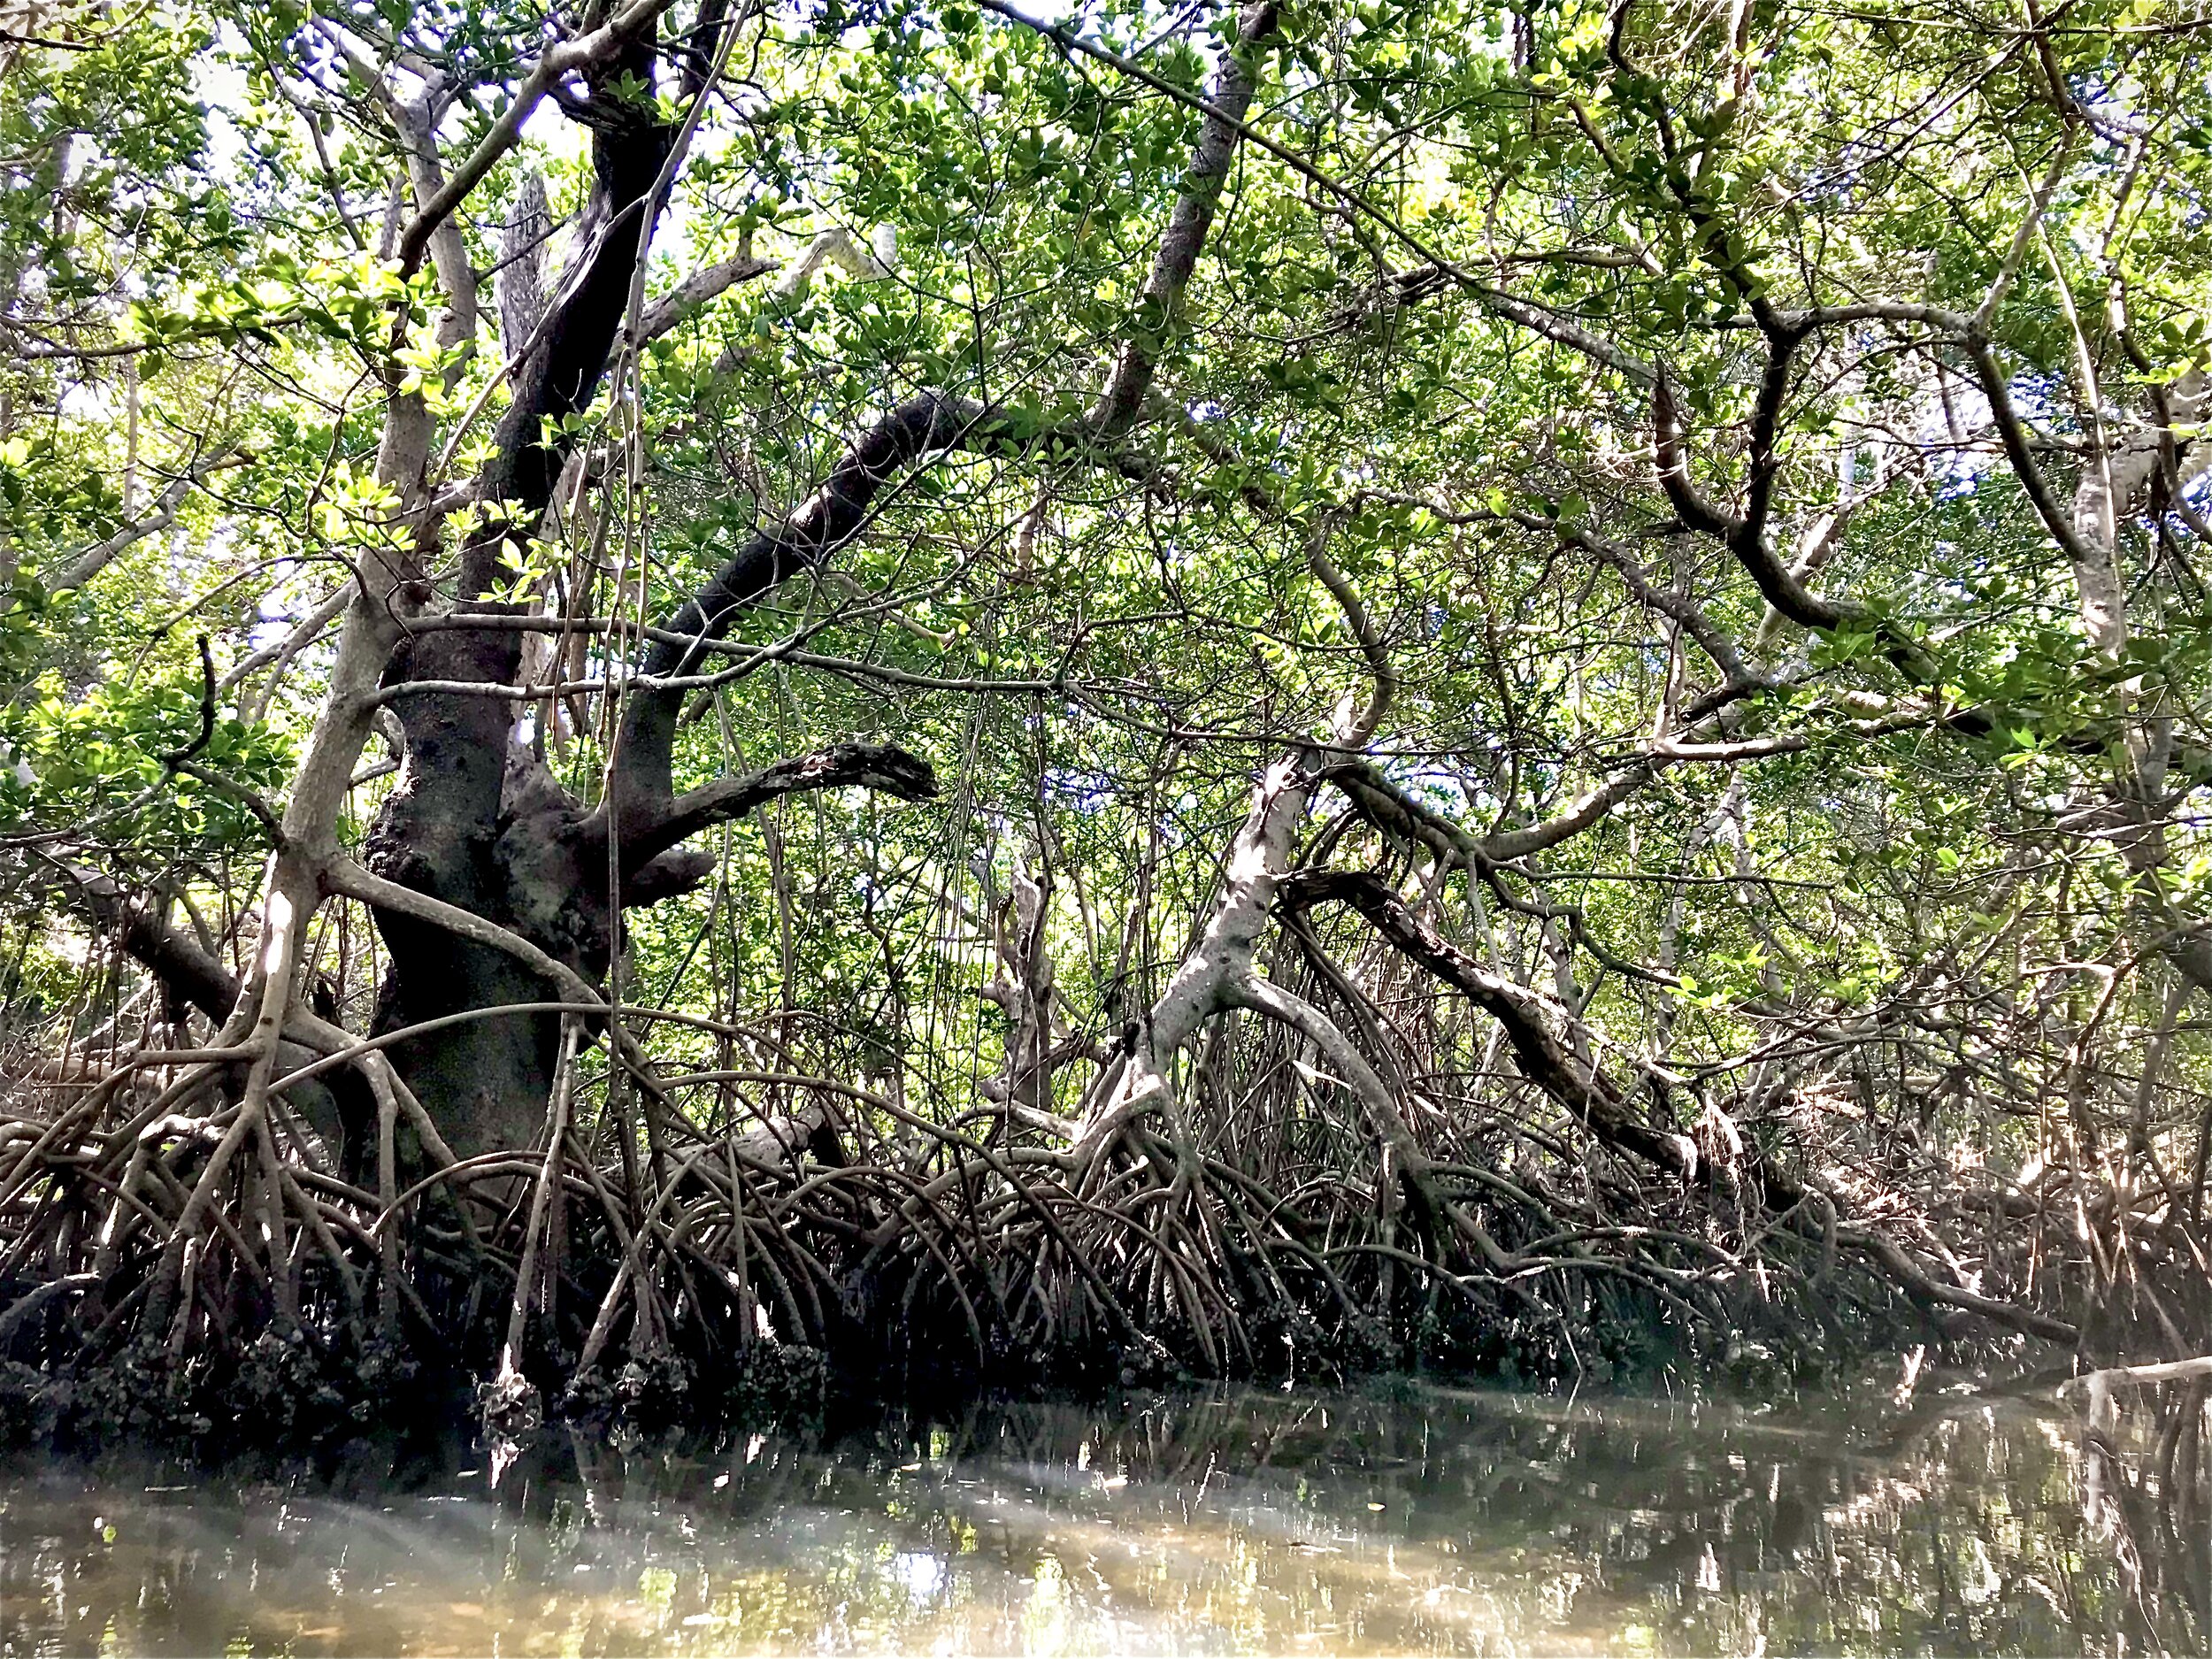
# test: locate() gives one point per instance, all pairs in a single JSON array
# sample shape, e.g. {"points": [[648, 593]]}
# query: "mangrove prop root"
{"points": [[570, 1272]]}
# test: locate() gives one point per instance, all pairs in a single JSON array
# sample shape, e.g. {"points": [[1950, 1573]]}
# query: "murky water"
{"points": [[1406, 1519]]}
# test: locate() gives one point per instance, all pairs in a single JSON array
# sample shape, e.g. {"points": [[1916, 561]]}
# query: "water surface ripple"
{"points": [[1409, 1518]]}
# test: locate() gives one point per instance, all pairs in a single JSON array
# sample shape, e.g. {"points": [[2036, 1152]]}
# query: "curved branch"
{"points": [[1531, 1021], [707, 283], [638, 786], [82, 567], [558, 62], [867, 766], [1353, 732], [191, 974], [1160, 304]]}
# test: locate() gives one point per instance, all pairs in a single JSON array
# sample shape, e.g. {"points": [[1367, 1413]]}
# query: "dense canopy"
{"points": [[1104, 691]]}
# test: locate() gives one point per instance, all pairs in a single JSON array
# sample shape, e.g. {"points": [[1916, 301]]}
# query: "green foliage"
{"points": [[200, 198]]}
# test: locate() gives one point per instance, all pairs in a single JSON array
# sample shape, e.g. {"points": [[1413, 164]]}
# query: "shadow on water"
{"points": [[1402, 1519]]}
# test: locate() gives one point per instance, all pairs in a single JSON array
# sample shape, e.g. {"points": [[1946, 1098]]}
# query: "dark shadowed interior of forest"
{"points": [[1084, 735]]}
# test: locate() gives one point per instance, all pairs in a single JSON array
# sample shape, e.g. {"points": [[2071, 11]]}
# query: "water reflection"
{"points": [[1410, 1519]]}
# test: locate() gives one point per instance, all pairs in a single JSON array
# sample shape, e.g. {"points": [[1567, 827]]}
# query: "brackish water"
{"points": [[1406, 1518]]}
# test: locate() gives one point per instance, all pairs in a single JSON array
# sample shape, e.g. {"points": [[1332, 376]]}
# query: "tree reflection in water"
{"points": [[1403, 1518]]}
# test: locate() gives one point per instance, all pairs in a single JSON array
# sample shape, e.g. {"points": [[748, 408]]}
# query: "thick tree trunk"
{"points": [[473, 823]]}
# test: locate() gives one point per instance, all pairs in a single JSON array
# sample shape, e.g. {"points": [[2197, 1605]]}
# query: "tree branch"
{"points": [[867, 766], [1532, 1023], [639, 786], [1160, 306], [701, 285], [600, 47], [190, 972], [82, 566]]}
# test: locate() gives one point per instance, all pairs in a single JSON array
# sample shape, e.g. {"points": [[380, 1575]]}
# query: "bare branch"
{"points": [[558, 62], [82, 567], [866, 765]]}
